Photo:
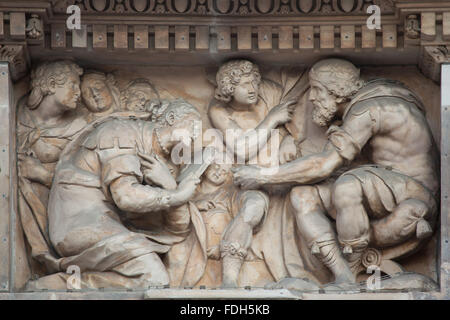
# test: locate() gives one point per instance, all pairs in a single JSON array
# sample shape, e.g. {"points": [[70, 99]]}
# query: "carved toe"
{"points": [[423, 229], [347, 250]]}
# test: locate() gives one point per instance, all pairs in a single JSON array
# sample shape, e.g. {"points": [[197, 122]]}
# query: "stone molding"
{"points": [[219, 26], [227, 7], [431, 59], [15, 55]]}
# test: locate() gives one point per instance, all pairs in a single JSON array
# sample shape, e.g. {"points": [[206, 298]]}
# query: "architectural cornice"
{"points": [[226, 26], [16, 56]]}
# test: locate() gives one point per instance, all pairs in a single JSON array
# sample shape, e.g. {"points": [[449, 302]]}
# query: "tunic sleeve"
{"points": [[123, 165]]}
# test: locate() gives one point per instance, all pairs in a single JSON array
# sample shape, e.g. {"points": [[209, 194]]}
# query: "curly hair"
{"points": [[57, 71], [230, 74], [179, 107], [140, 84], [108, 78], [339, 76]]}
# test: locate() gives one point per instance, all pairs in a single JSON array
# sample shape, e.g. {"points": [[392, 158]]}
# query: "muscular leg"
{"points": [[352, 221], [237, 236], [407, 220], [317, 231]]}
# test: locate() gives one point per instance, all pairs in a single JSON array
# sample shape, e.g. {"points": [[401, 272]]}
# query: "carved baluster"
{"points": [[264, 38], [347, 37], [201, 38], [79, 37], [99, 37], [369, 37], [58, 36], [285, 37], [2, 32], [428, 27], [390, 36], [120, 36], [446, 25], [162, 37], [326, 37], [244, 38], [306, 37], [223, 38], [141, 37], [181, 37], [17, 25]]}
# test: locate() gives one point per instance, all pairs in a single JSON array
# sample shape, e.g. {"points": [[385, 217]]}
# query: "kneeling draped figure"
{"points": [[119, 168], [389, 200]]}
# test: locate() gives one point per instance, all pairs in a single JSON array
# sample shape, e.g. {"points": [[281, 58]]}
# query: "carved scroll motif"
{"points": [[15, 55], [431, 59]]}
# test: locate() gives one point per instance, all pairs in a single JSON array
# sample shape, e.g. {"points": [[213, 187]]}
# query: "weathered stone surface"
{"points": [[342, 191], [201, 232]]}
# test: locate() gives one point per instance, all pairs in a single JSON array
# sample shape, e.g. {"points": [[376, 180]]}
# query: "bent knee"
{"points": [[254, 207], [347, 191], [304, 197], [155, 274], [255, 197], [414, 208]]}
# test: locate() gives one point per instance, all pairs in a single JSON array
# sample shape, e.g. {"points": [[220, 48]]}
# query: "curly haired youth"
{"points": [[230, 74], [57, 71]]}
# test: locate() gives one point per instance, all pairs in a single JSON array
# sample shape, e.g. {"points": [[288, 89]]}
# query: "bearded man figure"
{"points": [[382, 204]]}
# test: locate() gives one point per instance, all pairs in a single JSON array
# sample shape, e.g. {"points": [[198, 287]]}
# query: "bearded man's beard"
{"points": [[323, 114]]}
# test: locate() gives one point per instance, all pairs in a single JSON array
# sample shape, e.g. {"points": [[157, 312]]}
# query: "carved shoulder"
{"points": [[114, 133], [219, 115]]}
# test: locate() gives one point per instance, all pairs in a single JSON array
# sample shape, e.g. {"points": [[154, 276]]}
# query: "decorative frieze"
{"points": [[226, 7]]}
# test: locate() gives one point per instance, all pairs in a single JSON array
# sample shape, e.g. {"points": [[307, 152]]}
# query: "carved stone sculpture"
{"points": [[114, 170], [389, 201], [137, 95], [47, 122], [100, 93], [247, 104], [100, 189], [34, 27]]}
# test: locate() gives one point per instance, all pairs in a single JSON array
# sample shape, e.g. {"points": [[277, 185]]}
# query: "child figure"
{"points": [[213, 201]]}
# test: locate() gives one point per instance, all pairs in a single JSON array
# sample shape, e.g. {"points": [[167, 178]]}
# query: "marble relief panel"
{"points": [[305, 178]]}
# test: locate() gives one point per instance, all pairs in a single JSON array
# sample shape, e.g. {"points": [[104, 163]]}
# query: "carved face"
{"points": [[67, 94], [246, 92], [137, 97], [95, 92], [325, 104], [218, 173], [185, 130]]}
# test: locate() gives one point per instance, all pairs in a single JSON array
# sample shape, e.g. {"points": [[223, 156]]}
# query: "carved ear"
{"points": [[51, 85], [170, 118]]}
